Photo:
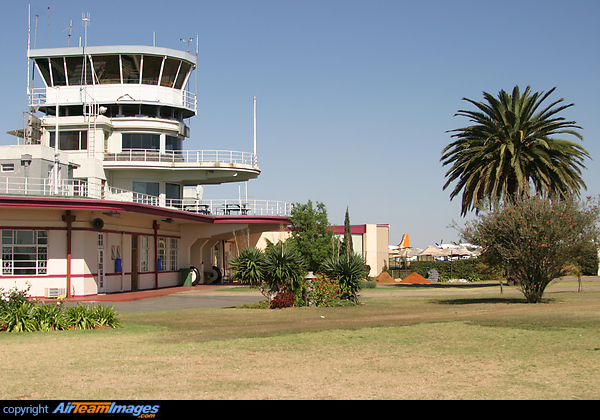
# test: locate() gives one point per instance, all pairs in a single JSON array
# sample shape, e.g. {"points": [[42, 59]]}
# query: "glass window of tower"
{"points": [[70, 140], [170, 69], [183, 72], [151, 69], [173, 143], [76, 66], [131, 68], [107, 69], [43, 65], [58, 71], [147, 188], [141, 141]]}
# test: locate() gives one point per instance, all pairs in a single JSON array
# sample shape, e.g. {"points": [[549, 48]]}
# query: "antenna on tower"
{"points": [[188, 42], [69, 28], [85, 21], [254, 150]]}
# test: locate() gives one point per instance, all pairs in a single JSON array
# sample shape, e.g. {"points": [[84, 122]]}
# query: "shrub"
{"points": [[49, 317], [19, 314], [18, 318], [323, 291], [535, 238], [369, 284], [284, 299], [349, 270], [80, 317], [471, 268], [105, 316], [279, 268]]}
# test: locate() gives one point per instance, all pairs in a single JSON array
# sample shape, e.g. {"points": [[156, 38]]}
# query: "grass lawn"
{"points": [[459, 343]]}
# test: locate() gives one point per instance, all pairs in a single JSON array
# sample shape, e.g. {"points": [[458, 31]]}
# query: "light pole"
{"points": [[309, 278]]}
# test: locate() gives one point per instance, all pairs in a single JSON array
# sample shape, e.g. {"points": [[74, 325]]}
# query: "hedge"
{"points": [[471, 269]]}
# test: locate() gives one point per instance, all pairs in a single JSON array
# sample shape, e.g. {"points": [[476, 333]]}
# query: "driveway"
{"points": [[201, 296]]}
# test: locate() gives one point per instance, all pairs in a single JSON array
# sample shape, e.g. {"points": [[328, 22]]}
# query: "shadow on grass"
{"points": [[443, 285], [477, 300], [487, 300]]}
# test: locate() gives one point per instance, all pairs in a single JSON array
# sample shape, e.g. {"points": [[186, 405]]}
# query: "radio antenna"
{"points": [[69, 28]]}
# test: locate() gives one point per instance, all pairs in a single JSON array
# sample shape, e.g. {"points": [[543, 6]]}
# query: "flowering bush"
{"points": [[13, 298], [323, 291], [282, 300]]}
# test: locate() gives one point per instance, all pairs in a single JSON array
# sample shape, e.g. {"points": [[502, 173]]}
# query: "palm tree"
{"points": [[512, 150]]}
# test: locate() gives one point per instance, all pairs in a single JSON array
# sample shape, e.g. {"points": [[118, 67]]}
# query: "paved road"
{"points": [[220, 297], [188, 300], [172, 298]]}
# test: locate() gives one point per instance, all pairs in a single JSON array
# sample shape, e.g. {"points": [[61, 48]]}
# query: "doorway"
{"points": [[134, 262], [101, 284]]}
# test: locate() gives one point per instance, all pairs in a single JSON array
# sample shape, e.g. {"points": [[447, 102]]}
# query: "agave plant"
{"points": [[349, 270], [248, 267], [284, 267]]}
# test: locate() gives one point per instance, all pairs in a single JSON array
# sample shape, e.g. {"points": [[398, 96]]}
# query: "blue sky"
{"points": [[354, 97]]}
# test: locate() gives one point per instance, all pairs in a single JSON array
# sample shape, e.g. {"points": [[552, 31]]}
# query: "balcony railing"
{"points": [[225, 157], [83, 189], [41, 96]]}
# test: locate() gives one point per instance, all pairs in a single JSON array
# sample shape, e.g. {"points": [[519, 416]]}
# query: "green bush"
{"points": [[370, 284], [49, 317], [18, 318], [471, 269], [349, 270], [19, 314], [323, 291]]}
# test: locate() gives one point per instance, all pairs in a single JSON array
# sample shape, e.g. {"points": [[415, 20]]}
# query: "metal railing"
{"points": [[83, 189], [46, 96], [211, 157], [42, 186]]}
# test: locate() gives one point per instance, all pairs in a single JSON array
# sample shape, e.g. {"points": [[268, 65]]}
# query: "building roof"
{"points": [[110, 206]]}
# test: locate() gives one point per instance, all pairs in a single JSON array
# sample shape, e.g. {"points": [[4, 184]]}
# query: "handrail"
{"points": [[43, 95], [83, 189], [186, 156]]}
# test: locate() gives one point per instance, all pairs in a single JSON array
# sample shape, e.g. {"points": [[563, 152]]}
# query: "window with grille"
{"points": [[24, 252]]}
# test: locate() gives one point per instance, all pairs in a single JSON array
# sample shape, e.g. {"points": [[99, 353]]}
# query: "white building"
{"points": [[105, 208]]}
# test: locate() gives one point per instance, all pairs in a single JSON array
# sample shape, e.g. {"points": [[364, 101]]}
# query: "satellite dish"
{"points": [[97, 223]]}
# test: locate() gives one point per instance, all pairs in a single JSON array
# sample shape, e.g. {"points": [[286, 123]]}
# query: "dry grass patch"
{"points": [[408, 347]]}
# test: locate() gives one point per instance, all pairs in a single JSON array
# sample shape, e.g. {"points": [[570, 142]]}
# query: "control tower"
{"points": [[120, 114]]}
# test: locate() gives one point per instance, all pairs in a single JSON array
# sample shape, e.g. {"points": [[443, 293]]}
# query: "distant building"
{"points": [[368, 240]]}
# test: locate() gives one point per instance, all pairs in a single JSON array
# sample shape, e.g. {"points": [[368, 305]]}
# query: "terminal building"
{"points": [[100, 195]]}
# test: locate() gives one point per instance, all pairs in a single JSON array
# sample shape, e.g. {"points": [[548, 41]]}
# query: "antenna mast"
{"points": [[69, 28], [85, 20]]}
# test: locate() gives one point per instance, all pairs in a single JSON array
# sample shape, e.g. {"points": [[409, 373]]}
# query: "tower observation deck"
{"points": [[121, 114], [126, 80]]}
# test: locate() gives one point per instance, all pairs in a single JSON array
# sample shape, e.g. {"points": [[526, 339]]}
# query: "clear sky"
{"points": [[354, 97]]}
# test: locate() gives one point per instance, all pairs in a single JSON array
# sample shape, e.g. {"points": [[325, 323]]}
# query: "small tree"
{"points": [[311, 235], [347, 234], [534, 238]]}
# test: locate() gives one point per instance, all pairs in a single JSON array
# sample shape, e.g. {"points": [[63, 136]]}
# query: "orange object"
{"points": [[405, 242]]}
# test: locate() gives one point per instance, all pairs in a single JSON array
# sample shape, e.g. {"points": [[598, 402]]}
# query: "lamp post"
{"points": [[309, 278]]}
